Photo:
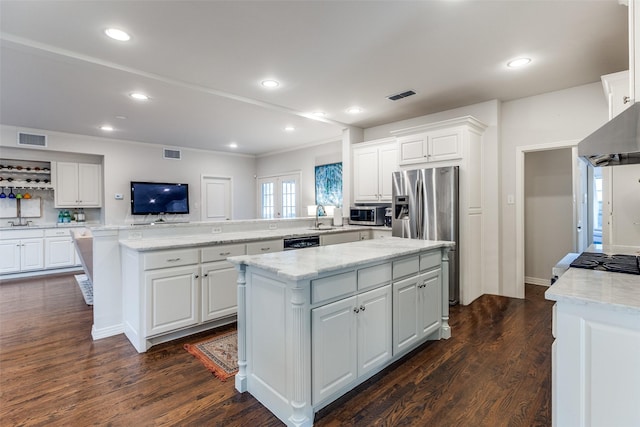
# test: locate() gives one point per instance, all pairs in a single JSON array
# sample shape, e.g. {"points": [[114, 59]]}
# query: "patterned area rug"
{"points": [[219, 354], [85, 287]]}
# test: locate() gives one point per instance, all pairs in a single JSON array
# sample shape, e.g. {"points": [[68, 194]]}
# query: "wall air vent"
{"points": [[172, 154], [32, 140], [398, 96]]}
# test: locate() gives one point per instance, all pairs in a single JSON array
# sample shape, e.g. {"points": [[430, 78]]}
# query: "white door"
{"points": [[374, 329], [32, 254], [219, 290], [278, 196], [580, 204], [9, 256], [216, 199], [625, 205]]}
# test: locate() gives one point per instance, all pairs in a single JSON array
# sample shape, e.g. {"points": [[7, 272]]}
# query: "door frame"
{"points": [[203, 178], [520, 153]]}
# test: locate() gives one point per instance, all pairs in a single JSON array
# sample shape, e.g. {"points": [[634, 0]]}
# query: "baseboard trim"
{"points": [[537, 281], [97, 334]]}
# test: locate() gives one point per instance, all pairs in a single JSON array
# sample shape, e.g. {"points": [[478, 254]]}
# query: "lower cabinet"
{"points": [[171, 299], [21, 255], [417, 309], [59, 252], [351, 337], [219, 290]]}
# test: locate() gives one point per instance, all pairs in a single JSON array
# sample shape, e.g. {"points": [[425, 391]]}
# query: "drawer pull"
{"points": [[225, 253], [356, 310], [362, 307], [264, 249], [173, 259]]}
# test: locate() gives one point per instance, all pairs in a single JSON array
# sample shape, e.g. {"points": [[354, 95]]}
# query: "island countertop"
{"points": [[617, 291], [311, 262]]}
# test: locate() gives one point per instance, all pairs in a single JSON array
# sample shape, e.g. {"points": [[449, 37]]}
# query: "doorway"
{"points": [[576, 223]]}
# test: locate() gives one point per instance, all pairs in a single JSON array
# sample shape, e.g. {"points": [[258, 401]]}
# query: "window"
{"points": [[278, 196]]}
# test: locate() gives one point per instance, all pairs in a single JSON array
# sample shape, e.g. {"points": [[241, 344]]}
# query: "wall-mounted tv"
{"points": [[159, 198]]}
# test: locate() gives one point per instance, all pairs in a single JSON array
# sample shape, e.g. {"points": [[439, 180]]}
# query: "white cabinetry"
{"points": [[596, 374], [77, 185], [373, 164], [265, 247], [58, 249], [432, 146], [455, 142], [360, 327], [617, 90], [346, 237], [21, 250], [219, 290], [417, 303]]}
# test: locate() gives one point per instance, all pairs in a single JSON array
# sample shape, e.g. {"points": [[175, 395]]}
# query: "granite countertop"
{"points": [[176, 242], [48, 226], [617, 291], [311, 262]]}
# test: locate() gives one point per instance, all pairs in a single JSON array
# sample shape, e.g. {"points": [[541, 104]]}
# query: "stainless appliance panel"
{"points": [[425, 205]]}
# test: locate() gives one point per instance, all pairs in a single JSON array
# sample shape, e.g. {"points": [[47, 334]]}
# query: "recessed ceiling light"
{"points": [[289, 128], [354, 110], [121, 117], [233, 145], [139, 96], [117, 34], [106, 128], [270, 83], [518, 62], [319, 113]]}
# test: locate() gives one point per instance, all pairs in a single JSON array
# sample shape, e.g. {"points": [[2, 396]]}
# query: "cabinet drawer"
{"points": [[405, 267], [21, 234], [264, 247], [333, 286], [430, 260], [220, 253], [58, 232], [374, 276], [163, 259]]}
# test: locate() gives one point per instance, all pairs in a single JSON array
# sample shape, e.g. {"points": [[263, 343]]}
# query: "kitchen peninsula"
{"points": [[315, 323], [596, 323]]}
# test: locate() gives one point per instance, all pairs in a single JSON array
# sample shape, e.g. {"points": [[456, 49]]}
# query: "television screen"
{"points": [[159, 198]]}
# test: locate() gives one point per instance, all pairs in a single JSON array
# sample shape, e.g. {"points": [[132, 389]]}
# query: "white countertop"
{"points": [[617, 291], [311, 262], [175, 242]]}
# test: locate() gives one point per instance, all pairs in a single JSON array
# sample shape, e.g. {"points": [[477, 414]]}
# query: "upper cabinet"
{"points": [[373, 164], [618, 92], [433, 146], [77, 185]]}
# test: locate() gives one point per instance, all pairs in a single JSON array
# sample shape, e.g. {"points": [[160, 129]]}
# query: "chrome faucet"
{"points": [[317, 211]]}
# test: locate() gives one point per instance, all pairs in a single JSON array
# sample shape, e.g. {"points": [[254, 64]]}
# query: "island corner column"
{"points": [[241, 376], [445, 329]]}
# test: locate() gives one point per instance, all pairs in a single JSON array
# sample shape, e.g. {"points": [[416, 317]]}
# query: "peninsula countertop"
{"points": [[177, 241], [311, 262], [616, 291]]}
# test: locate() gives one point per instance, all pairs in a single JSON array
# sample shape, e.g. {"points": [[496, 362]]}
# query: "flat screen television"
{"points": [[159, 198]]}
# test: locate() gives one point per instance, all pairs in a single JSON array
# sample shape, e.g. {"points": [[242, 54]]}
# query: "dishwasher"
{"points": [[292, 243]]}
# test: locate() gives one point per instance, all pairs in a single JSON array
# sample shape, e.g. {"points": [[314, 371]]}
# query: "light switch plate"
{"points": [[119, 196], [511, 200], [273, 226]]}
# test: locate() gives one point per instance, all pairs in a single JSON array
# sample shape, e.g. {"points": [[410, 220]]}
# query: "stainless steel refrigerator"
{"points": [[425, 206]]}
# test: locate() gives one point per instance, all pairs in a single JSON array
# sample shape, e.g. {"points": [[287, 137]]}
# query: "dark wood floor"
{"points": [[494, 371]]}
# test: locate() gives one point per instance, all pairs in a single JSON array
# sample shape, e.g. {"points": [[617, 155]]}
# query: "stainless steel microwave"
{"points": [[367, 215]]}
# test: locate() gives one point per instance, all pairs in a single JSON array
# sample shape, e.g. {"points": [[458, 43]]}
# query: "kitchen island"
{"points": [[596, 354], [315, 323]]}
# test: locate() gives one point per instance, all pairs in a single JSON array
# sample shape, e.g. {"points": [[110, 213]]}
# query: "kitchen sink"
{"points": [[321, 228]]}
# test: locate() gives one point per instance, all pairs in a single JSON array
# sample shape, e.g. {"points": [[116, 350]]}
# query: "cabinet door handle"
{"points": [[356, 310], [225, 253], [362, 307], [206, 275], [197, 277], [173, 259], [626, 99]]}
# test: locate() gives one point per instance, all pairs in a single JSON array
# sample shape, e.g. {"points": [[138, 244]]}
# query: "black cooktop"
{"points": [[603, 262]]}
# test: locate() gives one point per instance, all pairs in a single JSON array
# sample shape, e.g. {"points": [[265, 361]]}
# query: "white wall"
{"points": [[303, 160], [124, 161], [548, 202], [565, 115]]}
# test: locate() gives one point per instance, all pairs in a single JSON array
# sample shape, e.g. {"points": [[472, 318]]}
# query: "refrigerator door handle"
{"points": [[420, 208]]}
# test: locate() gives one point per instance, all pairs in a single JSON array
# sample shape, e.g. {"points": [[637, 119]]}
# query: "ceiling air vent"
{"points": [[398, 96], [32, 140], [172, 154]]}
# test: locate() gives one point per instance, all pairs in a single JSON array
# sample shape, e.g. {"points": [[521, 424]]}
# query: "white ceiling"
{"points": [[202, 63]]}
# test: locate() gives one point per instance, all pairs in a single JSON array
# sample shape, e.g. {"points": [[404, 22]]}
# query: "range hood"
{"points": [[615, 143]]}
